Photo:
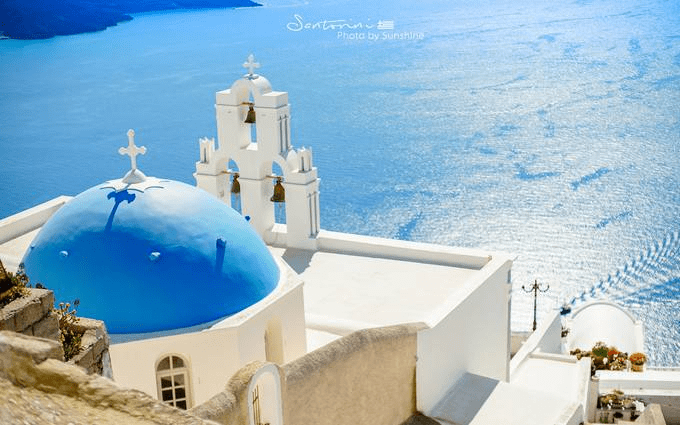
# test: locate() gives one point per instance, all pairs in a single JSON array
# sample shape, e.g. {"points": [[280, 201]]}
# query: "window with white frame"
{"points": [[172, 381]]}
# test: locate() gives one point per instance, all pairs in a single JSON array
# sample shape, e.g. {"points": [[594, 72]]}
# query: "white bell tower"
{"points": [[253, 126]]}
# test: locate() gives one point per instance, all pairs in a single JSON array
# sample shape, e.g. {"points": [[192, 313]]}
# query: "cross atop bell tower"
{"points": [[251, 65]]}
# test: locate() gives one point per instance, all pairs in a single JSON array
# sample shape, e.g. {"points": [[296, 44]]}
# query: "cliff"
{"points": [[36, 19]]}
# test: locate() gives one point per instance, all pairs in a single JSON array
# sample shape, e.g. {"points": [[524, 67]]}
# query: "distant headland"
{"points": [[40, 19]]}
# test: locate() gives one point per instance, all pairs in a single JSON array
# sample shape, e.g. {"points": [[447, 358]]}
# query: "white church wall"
{"points": [[211, 354], [284, 321], [217, 353], [281, 315], [472, 338]]}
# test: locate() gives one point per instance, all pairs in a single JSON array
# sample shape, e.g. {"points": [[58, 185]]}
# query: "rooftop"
{"points": [[352, 282], [373, 291]]}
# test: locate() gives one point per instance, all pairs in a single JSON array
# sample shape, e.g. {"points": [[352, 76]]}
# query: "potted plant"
{"points": [[612, 354], [638, 361]]}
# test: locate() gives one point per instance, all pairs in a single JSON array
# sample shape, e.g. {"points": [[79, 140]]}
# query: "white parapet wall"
{"points": [[546, 338], [29, 220], [17, 231], [338, 242], [606, 322], [653, 386]]}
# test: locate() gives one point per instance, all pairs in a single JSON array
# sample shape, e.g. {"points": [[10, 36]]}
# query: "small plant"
{"points": [[17, 287], [603, 357], [612, 354], [619, 361], [600, 350], [70, 338], [579, 353]]}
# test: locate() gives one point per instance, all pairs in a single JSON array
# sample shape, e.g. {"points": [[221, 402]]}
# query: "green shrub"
{"points": [[600, 350], [20, 285], [70, 336]]}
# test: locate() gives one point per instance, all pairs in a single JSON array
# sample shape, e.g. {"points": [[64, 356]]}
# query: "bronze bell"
{"points": [[236, 188], [279, 193], [250, 117]]}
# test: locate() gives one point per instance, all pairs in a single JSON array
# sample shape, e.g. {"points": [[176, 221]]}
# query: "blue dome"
{"points": [[165, 257]]}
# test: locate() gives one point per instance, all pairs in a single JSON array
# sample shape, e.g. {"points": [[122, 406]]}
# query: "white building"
{"points": [[191, 291], [115, 248]]}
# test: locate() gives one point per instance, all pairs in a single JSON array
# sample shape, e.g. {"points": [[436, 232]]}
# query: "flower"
{"points": [[637, 358]]}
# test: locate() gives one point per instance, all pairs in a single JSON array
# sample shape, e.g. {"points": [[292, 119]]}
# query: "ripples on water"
{"points": [[549, 131]]}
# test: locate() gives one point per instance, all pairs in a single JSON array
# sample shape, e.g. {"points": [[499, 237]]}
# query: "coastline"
{"points": [[44, 20]]}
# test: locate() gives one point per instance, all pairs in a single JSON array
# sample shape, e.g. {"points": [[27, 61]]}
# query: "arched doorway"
{"points": [[264, 397]]}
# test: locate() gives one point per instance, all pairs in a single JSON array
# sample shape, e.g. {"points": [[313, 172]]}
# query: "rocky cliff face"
{"points": [[36, 386]]}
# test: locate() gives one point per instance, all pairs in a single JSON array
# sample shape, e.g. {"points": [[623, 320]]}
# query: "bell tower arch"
{"points": [[254, 130]]}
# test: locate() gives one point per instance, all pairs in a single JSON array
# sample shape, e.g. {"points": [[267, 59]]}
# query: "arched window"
{"points": [[173, 381]]}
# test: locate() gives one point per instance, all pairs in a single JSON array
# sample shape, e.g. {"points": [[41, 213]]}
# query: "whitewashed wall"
{"points": [[474, 337], [211, 354], [216, 354]]}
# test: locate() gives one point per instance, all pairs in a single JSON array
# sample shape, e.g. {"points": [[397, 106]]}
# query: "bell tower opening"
{"points": [[251, 118], [278, 194], [235, 186]]}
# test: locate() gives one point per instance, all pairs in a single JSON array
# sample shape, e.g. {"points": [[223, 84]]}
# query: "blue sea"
{"points": [[545, 129]]}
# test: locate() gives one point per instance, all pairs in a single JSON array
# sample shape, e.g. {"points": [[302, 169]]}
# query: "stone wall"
{"points": [[230, 407], [32, 315], [94, 347], [39, 387], [367, 377]]}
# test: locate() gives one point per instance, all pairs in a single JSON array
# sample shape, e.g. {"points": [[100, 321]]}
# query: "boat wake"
{"points": [[652, 276], [648, 286]]}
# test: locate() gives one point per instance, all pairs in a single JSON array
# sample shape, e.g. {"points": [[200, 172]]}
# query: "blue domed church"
{"points": [[195, 283], [177, 276], [148, 255]]}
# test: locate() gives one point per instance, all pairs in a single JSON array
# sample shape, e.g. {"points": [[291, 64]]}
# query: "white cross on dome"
{"points": [[132, 150]]}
